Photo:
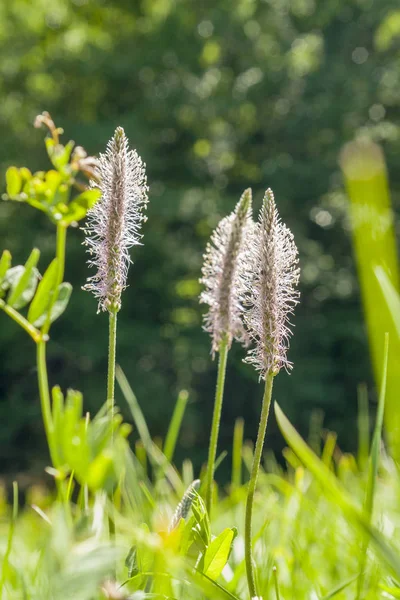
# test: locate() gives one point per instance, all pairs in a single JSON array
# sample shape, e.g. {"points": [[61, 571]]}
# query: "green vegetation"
{"points": [[110, 495], [218, 96]]}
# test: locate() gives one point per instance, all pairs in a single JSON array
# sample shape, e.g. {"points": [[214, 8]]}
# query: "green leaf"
{"points": [[59, 154], [217, 554], [78, 207], [5, 264], [13, 181], [23, 289], [63, 295], [12, 277], [45, 290]]}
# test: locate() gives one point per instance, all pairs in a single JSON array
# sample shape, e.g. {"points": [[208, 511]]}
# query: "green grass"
{"points": [[309, 526]]}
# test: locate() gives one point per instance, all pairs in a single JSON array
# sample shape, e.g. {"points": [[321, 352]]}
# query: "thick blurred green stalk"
{"points": [[364, 169]]}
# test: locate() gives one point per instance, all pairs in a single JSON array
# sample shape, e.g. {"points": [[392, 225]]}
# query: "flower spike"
{"points": [[271, 290], [115, 221], [223, 275]]}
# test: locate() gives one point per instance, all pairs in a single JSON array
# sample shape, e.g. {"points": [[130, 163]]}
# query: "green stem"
{"points": [[253, 482], [18, 318], [44, 394], [219, 395], [43, 380], [111, 358]]}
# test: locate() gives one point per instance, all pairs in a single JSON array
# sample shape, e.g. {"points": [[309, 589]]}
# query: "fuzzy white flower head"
{"points": [[271, 290], [223, 275], [114, 222]]}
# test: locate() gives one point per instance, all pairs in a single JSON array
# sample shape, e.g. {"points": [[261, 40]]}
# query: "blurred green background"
{"points": [[216, 96]]}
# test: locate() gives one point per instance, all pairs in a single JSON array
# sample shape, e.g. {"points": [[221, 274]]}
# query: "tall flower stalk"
{"points": [[271, 298], [224, 281], [113, 227]]}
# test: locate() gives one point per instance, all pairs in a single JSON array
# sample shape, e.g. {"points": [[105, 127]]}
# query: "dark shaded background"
{"points": [[216, 96]]}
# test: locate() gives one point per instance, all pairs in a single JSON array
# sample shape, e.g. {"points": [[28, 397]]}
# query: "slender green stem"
{"points": [[43, 380], [44, 394], [219, 395], [253, 482], [18, 318], [111, 358]]}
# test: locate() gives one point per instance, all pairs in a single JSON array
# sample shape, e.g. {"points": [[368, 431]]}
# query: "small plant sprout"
{"points": [[113, 227], [271, 298], [224, 281]]}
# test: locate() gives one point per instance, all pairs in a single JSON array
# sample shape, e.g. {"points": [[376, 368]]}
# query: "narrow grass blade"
{"points": [[135, 409], [276, 583], [336, 492], [340, 588], [219, 591], [156, 456], [363, 426], [376, 439], [374, 462], [237, 453], [175, 425], [11, 531]]}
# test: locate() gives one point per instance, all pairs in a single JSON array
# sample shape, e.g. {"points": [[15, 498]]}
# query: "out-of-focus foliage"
{"points": [[375, 248], [216, 96]]}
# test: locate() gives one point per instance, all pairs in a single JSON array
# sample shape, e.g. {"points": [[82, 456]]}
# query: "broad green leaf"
{"points": [[23, 289], [5, 264], [13, 181], [217, 553], [43, 296], [63, 295]]}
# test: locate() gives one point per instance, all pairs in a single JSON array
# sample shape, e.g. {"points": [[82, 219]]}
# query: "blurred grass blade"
{"points": [[374, 241], [376, 439], [340, 588], [175, 425], [276, 582], [10, 537], [135, 409], [336, 492], [374, 463], [391, 295], [205, 583], [363, 426], [220, 459], [237, 453], [154, 453]]}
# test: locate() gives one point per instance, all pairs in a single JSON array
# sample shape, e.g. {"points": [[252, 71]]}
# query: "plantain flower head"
{"points": [[223, 275], [271, 290], [114, 222]]}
